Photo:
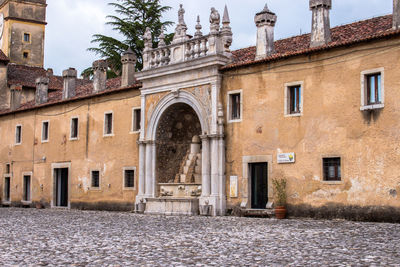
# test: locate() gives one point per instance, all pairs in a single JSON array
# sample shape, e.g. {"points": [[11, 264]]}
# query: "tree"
{"points": [[134, 16]]}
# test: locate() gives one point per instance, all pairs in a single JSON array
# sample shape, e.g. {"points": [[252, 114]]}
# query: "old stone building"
{"points": [[203, 129]]}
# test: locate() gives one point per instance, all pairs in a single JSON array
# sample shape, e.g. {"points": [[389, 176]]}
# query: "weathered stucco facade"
{"points": [[204, 130]]}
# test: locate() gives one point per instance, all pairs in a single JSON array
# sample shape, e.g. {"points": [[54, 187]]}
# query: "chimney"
{"points": [[15, 100], [42, 88], [128, 68], [396, 14], [265, 22], [321, 29], [69, 76], [99, 75]]}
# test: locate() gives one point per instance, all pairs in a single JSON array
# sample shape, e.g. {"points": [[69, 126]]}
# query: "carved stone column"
{"points": [[142, 166], [214, 167], [149, 191], [205, 167]]}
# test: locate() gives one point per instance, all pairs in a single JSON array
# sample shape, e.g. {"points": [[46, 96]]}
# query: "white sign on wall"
{"points": [[286, 158], [233, 186]]}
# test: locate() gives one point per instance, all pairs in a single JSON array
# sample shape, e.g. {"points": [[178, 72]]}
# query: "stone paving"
{"points": [[80, 238]]}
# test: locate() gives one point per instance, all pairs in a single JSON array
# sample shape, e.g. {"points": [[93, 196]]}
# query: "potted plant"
{"points": [[280, 197]]}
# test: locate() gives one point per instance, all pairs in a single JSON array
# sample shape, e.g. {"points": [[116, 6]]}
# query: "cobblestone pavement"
{"points": [[80, 238]]}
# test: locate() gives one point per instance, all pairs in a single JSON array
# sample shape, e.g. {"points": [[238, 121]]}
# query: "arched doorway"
{"points": [[178, 152]]}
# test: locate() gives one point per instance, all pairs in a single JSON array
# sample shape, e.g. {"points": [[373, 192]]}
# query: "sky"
{"points": [[71, 23]]}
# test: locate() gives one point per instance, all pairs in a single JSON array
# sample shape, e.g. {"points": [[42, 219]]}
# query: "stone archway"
{"points": [[176, 129]]}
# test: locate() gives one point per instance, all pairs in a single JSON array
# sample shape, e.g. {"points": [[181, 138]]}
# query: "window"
{"points": [[18, 134], [293, 99], [74, 129], [372, 89], [129, 178], [45, 131], [27, 38], [136, 116], [25, 55], [235, 106], [108, 124], [7, 186], [95, 179], [8, 168], [27, 188], [332, 169]]}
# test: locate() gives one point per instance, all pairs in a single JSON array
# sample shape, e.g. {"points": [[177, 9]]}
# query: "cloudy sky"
{"points": [[71, 23]]}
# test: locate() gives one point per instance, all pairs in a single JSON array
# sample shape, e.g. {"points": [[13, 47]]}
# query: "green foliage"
{"points": [[279, 191], [131, 21]]}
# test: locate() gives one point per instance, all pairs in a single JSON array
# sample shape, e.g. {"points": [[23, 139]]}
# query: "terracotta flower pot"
{"points": [[280, 212]]}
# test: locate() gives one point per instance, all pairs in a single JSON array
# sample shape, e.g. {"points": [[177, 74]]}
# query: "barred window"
{"points": [[332, 169], [95, 179], [129, 178]]}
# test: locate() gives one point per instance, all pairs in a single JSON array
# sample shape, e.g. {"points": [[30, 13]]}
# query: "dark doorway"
{"points": [[61, 189], [259, 185], [27, 188], [7, 189]]}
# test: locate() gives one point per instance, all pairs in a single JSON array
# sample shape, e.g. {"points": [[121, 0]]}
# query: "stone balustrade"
{"points": [[186, 48]]}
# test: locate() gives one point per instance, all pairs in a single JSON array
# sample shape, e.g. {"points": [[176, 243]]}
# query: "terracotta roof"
{"points": [[27, 75], [342, 35], [3, 57], [83, 91]]}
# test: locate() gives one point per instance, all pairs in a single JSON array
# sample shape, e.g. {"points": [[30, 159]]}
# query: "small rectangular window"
{"points": [[74, 128], [18, 134], [45, 131], [27, 188], [27, 38], [8, 168], [373, 89], [7, 187], [95, 179], [25, 55], [235, 106], [295, 99], [129, 178], [332, 169], [136, 120], [108, 123]]}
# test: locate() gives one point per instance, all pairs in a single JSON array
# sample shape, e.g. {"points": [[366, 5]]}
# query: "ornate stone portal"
{"points": [[181, 146]]}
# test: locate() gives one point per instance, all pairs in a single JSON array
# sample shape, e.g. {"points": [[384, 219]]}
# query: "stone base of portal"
{"points": [[172, 206]]}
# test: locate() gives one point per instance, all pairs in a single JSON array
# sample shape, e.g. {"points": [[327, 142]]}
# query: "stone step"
{"points": [[197, 170], [183, 178], [197, 178]]}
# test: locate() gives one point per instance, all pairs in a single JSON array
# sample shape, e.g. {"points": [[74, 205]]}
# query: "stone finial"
{"points": [[42, 88], [147, 39], [396, 14], [69, 88], [198, 28], [99, 75], [128, 60], [226, 31], [215, 20], [181, 28], [265, 22], [161, 38], [321, 29]]}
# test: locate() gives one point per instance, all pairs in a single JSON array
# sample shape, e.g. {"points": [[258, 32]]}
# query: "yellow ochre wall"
{"points": [[331, 124]]}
